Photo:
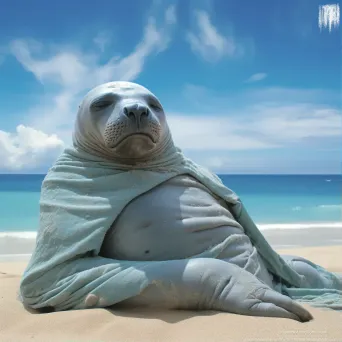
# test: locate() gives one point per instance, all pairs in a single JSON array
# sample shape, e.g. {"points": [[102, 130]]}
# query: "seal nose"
{"points": [[136, 111]]}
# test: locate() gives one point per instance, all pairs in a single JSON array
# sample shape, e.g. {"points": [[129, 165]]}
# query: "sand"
{"points": [[17, 324]]}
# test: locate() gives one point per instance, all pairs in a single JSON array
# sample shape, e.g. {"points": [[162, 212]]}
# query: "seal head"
{"points": [[122, 121]]}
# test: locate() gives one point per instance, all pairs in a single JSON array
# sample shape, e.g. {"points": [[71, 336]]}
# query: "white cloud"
{"points": [[233, 163], [253, 120], [28, 148], [65, 68], [229, 162], [256, 127], [205, 132], [291, 124], [256, 77], [206, 40], [246, 132], [75, 71]]}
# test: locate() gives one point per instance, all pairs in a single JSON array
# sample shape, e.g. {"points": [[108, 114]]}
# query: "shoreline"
{"points": [[261, 226], [15, 247], [21, 244]]}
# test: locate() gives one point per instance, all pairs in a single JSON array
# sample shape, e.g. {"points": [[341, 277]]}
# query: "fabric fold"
{"points": [[81, 197]]}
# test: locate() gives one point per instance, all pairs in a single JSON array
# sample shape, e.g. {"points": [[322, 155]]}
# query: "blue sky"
{"points": [[248, 87]]}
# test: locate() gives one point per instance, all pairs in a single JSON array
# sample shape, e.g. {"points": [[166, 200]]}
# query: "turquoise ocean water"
{"points": [[286, 201]]}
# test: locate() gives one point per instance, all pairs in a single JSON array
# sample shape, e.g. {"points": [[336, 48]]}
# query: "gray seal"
{"points": [[176, 219]]}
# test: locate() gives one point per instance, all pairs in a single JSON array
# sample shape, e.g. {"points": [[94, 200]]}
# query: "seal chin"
{"points": [[135, 146]]}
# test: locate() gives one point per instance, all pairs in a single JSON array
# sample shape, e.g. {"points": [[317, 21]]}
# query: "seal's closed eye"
{"points": [[155, 106], [153, 103], [102, 102]]}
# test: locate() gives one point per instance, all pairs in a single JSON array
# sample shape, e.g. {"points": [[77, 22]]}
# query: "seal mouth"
{"points": [[136, 134]]}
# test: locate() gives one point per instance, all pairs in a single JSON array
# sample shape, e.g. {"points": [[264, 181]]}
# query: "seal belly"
{"points": [[176, 220]]}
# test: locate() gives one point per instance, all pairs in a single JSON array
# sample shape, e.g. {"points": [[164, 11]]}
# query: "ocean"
{"points": [[273, 201]]}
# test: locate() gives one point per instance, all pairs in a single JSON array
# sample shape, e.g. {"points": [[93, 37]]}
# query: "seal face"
{"points": [[130, 119]]}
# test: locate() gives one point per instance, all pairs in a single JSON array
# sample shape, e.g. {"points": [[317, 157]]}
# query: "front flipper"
{"points": [[212, 284]]}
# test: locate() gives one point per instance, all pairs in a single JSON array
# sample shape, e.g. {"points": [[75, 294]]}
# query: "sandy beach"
{"points": [[20, 325]]}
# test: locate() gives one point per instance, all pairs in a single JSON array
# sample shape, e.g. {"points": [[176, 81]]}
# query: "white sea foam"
{"points": [[31, 236], [17, 244], [330, 206], [321, 206], [309, 225], [18, 235]]}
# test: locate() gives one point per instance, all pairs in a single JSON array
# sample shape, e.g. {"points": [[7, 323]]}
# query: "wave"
{"points": [[322, 206], [330, 206], [18, 235], [304, 225], [262, 226], [18, 246]]}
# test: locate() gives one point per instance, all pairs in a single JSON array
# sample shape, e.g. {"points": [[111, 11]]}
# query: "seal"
{"points": [[178, 218], [126, 219]]}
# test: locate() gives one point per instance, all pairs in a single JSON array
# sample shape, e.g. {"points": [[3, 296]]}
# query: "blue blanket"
{"points": [[81, 197]]}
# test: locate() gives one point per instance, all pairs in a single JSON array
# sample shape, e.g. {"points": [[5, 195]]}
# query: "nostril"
{"points": [[145, 112], [128, 113]]}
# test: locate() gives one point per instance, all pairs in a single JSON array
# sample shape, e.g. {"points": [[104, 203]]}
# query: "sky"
{"points": [[247, 86]]}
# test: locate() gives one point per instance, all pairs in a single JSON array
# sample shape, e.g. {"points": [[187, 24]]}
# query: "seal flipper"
{"points": [[211, 284]]}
